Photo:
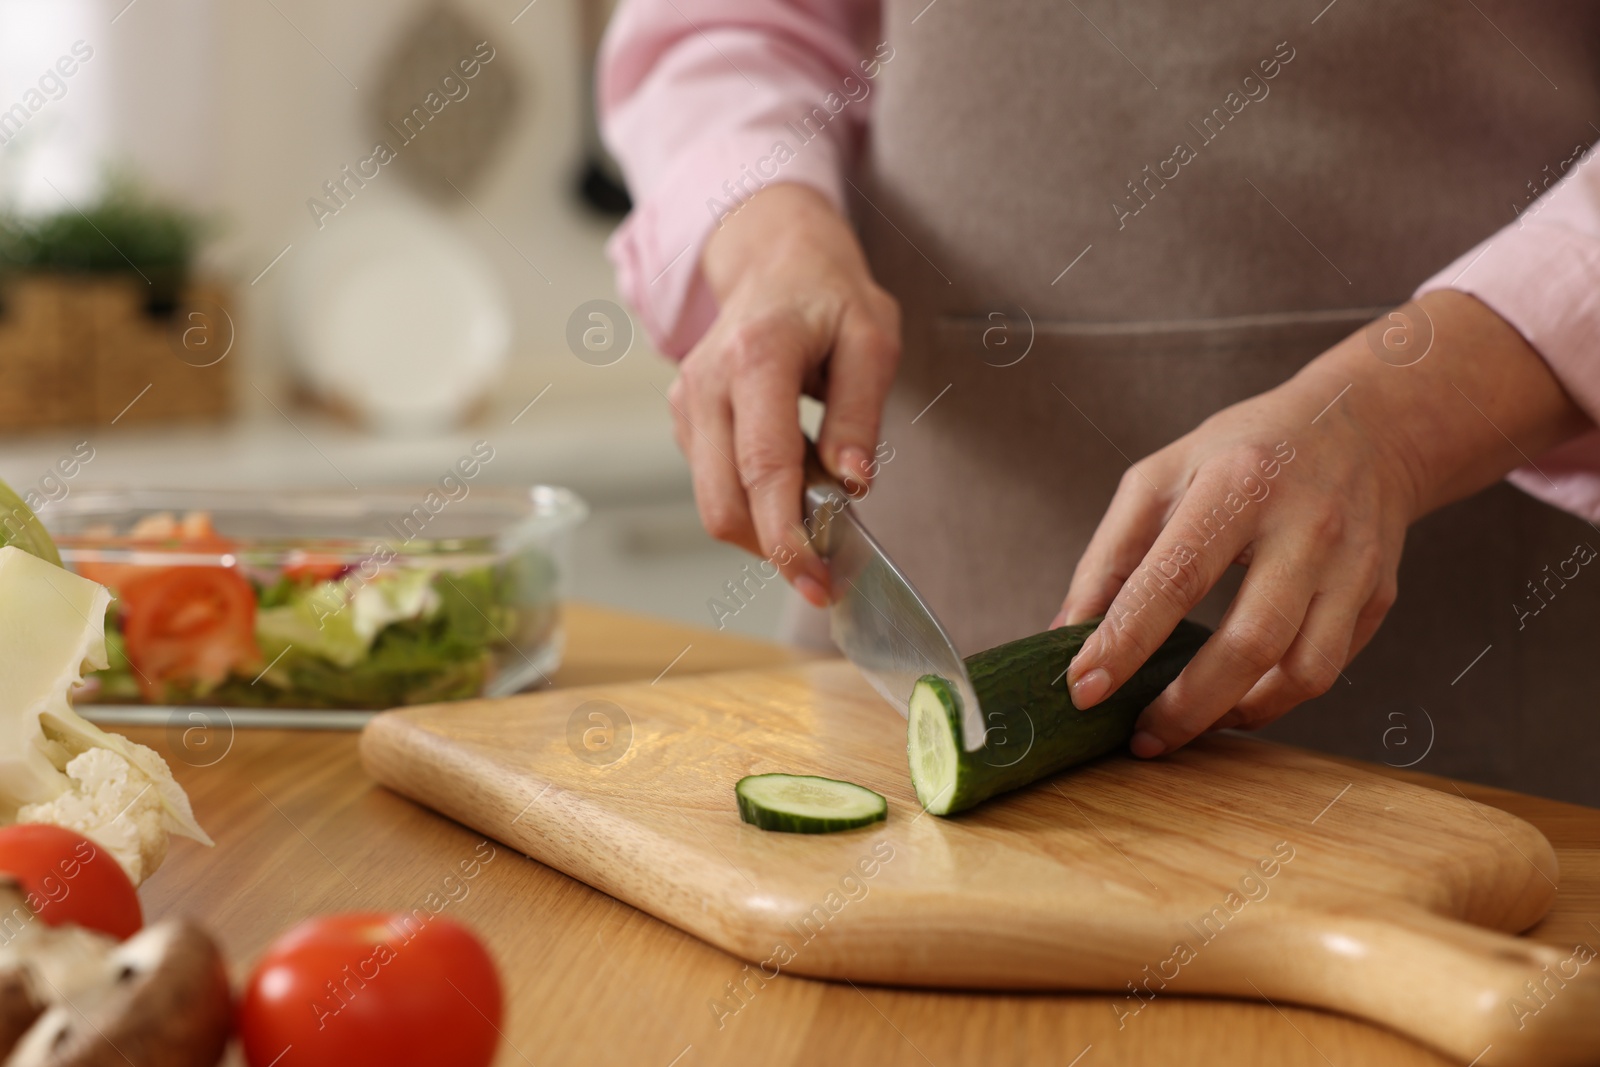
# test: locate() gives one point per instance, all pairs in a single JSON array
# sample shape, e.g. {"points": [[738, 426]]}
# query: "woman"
{"points": [[1165, 230]]}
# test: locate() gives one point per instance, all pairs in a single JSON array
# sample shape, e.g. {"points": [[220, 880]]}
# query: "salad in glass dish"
{"points": [[312, 600]]}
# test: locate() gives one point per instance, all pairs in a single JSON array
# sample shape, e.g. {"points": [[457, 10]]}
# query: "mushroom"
{"points": [[162, 1001], [71, 997], [20, 1005], [40, 964]]}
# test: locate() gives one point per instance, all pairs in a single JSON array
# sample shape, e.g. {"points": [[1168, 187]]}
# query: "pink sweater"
{"points": [[695, 95]]}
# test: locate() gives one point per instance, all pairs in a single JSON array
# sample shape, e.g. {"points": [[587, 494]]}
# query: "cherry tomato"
{"points": [[408, 989], [69, 879], [188, 624]]}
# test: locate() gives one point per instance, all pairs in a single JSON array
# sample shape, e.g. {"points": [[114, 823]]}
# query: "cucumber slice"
{"points": [[1031, 728], [805, 804]]}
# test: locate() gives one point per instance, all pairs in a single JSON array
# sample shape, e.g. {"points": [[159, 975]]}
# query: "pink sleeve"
{"points": [[1541, 274], [705, 101]]}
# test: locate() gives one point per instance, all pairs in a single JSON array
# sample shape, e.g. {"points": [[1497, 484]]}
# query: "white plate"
{"points": [[394, 314]]}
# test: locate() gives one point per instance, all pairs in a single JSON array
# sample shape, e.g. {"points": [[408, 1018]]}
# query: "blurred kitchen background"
{"points": [[346, 316]]}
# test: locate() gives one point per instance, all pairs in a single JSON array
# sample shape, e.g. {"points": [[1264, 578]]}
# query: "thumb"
{"points": [[860, 372]]}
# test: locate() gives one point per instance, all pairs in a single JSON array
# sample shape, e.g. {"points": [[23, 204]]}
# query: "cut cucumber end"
{"points": [[807, 804], [934, 743], [1032, 728]]}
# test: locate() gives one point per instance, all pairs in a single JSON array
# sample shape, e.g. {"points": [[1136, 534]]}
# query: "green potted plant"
{"points": [[100, 309], [126, 230]]}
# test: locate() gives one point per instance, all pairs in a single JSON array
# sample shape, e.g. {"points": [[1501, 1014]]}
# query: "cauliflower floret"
{"points": [[113, 804], [56, 766]]}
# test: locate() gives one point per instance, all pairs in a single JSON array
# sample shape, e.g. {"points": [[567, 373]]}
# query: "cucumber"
{"points": [[804, 804], [1031, 728]]}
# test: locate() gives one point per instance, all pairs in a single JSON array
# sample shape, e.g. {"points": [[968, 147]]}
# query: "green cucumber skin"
{"points": [[765, 818], [1024, 696]]}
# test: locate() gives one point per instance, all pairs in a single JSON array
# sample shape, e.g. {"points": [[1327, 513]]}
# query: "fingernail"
{"points": [[1059, 620], [853, 472], [853, 464], [1091, 688], [812, 590], [1146, 745]]}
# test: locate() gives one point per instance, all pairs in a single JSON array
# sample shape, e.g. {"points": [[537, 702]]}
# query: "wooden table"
{"points": [[301, 829]]}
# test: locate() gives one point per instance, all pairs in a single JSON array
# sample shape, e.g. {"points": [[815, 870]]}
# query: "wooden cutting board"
{"points": [[1235, 867]]}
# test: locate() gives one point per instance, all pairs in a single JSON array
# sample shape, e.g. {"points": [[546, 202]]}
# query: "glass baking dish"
{"points": [[312, 599]]}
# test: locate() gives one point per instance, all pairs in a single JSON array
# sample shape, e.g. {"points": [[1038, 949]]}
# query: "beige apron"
{"points": [[1027, 177]]}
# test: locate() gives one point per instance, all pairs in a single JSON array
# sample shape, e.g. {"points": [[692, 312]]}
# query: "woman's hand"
{"points": [[800, 313], [1310, 487]]}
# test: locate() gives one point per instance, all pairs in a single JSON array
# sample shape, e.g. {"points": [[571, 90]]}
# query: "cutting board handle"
{"points": [[1484, 997]]}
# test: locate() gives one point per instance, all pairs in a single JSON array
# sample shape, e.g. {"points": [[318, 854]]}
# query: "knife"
{"points": [[877, 617]]}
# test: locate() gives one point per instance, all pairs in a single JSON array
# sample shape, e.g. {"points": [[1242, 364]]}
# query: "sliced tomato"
{"points": [[313, 567], [111, 575], [191, 625], [194, 532]]}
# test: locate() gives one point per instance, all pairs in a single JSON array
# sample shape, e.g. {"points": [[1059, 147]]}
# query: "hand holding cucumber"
{"points": [[1310, 487]]}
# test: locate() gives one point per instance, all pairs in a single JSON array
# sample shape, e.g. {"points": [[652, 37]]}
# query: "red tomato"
{"points": [[193, 533], [313, 567], [399, 990], [110, 575], [68, 879], [188, 624]]}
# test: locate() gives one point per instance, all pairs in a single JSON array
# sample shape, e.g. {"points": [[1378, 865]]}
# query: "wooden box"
{"points": [[86, 350]]}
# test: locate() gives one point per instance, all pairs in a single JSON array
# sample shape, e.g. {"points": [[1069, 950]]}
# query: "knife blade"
{"points": [[877, 617]]}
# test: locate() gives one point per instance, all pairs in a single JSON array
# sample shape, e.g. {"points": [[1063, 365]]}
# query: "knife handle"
{"points": [[823, 497]]}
